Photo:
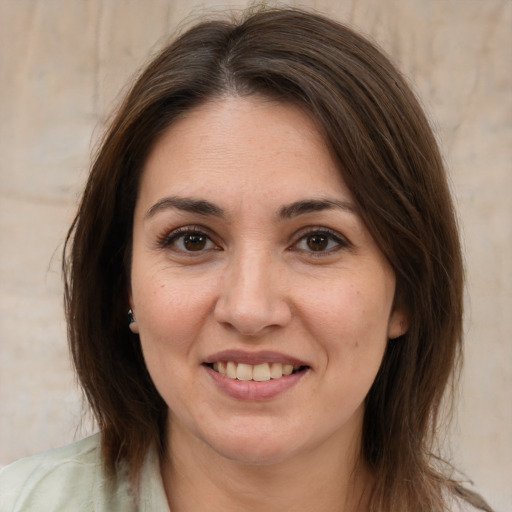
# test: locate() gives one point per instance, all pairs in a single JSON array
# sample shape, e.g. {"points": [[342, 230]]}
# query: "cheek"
{"points": [[348, 309], [170, 310], [349, 320], [350, 328], [171, 319]]}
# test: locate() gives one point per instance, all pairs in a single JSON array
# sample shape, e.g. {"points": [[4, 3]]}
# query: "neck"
{"points": [[198, 478]]}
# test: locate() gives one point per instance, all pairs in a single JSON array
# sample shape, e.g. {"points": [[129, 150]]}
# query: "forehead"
{"points": [[243, 148]]}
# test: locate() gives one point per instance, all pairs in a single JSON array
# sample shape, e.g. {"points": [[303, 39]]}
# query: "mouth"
{"points": [[255, 372]]}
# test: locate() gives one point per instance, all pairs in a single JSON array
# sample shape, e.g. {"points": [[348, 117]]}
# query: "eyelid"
{"points": [[340, 239], [168, 237]]}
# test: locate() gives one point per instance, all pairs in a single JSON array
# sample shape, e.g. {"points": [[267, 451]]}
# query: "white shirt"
{"points": [[72, 478]]}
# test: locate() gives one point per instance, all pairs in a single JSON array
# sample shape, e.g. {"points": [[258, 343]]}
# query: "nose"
{"points": [[252, 298]]}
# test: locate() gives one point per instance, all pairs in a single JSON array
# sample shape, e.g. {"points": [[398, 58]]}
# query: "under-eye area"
{"points": [[257, 372]]}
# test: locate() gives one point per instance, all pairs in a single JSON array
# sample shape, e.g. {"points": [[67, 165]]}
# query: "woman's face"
{"points": [[250, 261]]}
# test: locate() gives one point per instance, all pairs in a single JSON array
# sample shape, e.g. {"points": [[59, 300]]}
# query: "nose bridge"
{"points": [[252, 277], [252, 297]]}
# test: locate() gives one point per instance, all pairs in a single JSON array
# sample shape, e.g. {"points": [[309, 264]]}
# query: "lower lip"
{"points": [[253, 390]]}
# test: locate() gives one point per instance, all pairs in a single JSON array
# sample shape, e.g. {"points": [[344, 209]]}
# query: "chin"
{"points": [[253, 454], [264, 447]]}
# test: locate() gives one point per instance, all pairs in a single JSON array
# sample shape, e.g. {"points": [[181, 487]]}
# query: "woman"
{"points": [[263, 286]]}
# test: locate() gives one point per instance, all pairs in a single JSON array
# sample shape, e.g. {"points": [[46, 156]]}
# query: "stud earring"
{"points": [[132, 324]]}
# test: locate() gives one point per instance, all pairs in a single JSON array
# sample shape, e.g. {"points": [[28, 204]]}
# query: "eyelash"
{"points": [[171, 238], [330, 236]]}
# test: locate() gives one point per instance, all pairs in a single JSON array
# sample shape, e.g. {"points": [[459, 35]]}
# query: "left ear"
{"points": [[132, 322], [398, 323]]}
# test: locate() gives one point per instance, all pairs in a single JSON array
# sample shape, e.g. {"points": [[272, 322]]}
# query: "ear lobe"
{"points": [[134, 327], [398, 323], [132, 323]]}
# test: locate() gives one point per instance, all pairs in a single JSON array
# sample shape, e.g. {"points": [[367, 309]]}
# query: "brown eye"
{"points": [[321, 241], [317, 242], [187, 240], [194, 242]]}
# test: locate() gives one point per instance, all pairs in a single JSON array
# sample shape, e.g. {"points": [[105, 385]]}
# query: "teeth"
{"points": [[221, 367], [287, 369], [259, 372], [231, 370], [244, 371], [276, 371]]}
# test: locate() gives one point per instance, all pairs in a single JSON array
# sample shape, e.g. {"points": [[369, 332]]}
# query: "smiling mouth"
{"points": [[258, 372]]}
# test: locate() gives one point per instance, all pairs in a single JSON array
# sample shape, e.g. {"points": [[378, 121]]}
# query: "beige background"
{"points": [[63, 64]]}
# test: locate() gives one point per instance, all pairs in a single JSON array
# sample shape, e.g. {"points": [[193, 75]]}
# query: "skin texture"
{"points": [[261, 277]]}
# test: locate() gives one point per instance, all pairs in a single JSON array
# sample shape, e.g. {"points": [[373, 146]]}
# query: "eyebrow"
{"points": [[314, 205], [204, 207], [186, 204]]}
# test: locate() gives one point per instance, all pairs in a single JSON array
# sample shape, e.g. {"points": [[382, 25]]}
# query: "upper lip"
{"points": [[253, 358]]}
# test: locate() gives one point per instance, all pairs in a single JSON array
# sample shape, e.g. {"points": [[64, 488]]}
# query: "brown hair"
{"points": [[392, 165]]}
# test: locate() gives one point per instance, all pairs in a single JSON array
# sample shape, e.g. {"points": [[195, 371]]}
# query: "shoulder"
{"points": [[67, 478]]}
